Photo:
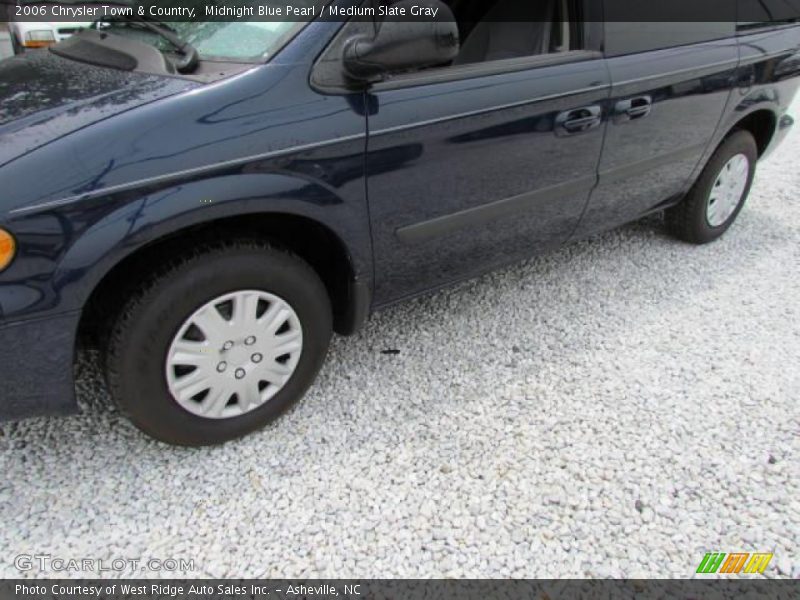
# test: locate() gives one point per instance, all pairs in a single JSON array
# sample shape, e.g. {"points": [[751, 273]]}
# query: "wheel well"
{"points": [[761, 124], [313, 242]]}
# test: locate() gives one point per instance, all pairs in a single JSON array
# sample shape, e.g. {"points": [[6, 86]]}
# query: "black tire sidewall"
{"points": [[138, 369]]}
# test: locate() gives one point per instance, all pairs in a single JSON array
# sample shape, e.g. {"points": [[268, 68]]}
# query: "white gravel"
{"points": [[618, 407]]}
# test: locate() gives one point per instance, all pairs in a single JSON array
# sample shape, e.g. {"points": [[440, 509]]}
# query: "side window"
{"points": [[757, 14], [665, 25], [621, 38], [506, 29], [495, 35]]}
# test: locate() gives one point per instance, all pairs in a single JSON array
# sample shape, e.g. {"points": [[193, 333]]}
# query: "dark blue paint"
{"points": [[96, 164], [492, 141], [649, 160]]}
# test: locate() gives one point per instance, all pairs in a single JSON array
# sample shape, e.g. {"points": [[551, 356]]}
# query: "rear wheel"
{"points": [[719, 194], [219, 344]]}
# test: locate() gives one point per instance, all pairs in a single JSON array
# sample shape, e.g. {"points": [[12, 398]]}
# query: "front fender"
{"points": [[258, 142], [78, 258]]}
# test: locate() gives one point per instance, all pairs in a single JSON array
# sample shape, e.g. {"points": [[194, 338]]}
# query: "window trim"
{"points": [[485, 69], [755, 27]]}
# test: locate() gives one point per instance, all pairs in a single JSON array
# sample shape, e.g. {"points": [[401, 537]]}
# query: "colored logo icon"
{"points": [[736, 562]]}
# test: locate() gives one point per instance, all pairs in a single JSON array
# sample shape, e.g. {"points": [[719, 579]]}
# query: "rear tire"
{"points": [[719, 194], [155, 325]]}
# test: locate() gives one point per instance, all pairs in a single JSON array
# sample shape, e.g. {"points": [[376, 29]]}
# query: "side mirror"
{"points": [[400, 45]]}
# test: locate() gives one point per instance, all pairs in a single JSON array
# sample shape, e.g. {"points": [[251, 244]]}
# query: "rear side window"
{"points": [[634, 26], [502, 29], [757, 14]]}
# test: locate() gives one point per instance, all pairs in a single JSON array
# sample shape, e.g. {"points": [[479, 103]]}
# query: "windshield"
{"points": [[244, 39], [240, 40]]}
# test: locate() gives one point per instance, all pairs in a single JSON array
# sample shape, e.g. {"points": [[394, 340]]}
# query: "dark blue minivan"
{"points": [[210, 200]]}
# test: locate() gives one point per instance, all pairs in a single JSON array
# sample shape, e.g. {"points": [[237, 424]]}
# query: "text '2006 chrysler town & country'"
{"points": [[210, 201]]}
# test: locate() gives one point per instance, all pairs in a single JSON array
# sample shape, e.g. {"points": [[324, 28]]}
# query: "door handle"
{"points": [[579, 120], [632, 109]]}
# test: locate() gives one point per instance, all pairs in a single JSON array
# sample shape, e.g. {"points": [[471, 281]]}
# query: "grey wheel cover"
{"points": [[233, 354], [728, 190]]}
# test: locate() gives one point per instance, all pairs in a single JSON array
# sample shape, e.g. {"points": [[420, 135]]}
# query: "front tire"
{"points": [[718, 196], [218, 344]]}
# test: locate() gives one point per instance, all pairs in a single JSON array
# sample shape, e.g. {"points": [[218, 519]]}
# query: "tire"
{"points": [[702, 217], [160, 319]]}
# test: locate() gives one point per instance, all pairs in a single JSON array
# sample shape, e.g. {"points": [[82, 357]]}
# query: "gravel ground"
{"points": [[619, 407]]}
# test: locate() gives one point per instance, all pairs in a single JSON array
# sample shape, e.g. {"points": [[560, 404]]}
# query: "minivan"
{"points": [[209, 201]]}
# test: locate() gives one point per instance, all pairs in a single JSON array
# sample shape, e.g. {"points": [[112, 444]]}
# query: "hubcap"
{"points": [[234, 354], [728, 190]]}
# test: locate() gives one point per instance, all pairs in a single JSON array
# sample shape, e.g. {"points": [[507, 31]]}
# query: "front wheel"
{"points": [[219, 344], [719, 194]]}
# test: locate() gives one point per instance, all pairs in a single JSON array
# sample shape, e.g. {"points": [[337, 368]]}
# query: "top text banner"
{"points": [[747, 11]]}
